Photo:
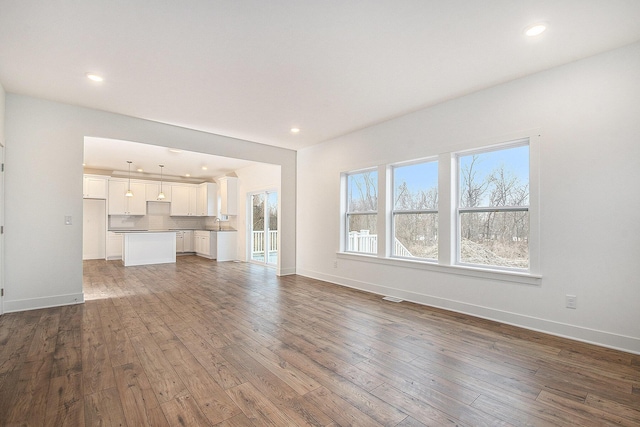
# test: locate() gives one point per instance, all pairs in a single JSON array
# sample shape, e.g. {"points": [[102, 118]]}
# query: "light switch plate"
{"points": [[67, 220]]}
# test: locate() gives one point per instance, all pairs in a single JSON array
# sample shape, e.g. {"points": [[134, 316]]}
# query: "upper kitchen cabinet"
{"points": [[94, 186], [207, 199], [183, 200], [153, 189], [228, 195], [119, 204]]}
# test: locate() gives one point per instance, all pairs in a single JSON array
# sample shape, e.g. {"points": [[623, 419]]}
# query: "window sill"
{"points": [[482, 273]]}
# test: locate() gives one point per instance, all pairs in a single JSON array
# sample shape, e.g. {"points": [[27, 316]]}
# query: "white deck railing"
{"points": [[362, 241], [257, 241], [400, 250], [359, 241]]}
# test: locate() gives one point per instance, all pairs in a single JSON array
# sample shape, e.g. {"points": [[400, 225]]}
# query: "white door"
{"points": [[94, 229], [263, 230]]}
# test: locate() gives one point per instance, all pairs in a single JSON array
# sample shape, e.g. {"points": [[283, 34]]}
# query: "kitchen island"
{"points": [[148, 247]]}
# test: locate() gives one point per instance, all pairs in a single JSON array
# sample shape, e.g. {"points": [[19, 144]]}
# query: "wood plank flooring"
{"points": [[200, 343]]}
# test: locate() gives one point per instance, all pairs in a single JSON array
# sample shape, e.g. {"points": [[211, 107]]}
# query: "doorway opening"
{"points": [[263, 227]]}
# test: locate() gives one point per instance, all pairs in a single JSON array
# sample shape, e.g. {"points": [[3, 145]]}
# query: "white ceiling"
{"points": [[111, 155], [252, 69]]}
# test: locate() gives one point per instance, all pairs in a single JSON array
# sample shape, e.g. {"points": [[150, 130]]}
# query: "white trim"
{"points": [[564, 330], [448, 211], [286, 272], [521, 277], [249, 228], [524, 141], [44, 302]]}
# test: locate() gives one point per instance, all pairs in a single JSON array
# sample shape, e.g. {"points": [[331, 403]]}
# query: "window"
{"points": [[362, 212], [415, 210], [493, 207], [472, 212]]}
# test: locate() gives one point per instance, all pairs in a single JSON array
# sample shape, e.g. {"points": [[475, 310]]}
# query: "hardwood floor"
{"points": [[199, 343]]}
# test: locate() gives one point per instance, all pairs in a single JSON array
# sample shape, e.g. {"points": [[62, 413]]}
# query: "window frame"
{"points": [[448, 177], [348, 212], [393, 211], [458, 210]]}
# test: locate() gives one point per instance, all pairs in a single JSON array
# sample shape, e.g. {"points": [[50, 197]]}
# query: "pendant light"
{"points": [[129, 193], [161, 194]]}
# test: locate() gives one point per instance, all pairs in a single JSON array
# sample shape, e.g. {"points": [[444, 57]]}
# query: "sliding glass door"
{"points": [[264, 227]]}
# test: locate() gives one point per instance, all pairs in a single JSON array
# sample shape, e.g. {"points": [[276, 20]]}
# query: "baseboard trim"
{"points": [[551, 327], [286, 271], [44, 302]]}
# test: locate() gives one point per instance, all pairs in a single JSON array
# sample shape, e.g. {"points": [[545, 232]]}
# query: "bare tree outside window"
{"points": [[494, 207]]}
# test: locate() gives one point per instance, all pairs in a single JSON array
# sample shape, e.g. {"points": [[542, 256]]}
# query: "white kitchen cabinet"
{"points": [[184, 241], [114, 245], [228, 195], [202, 243], [94, 186], [152, 189], [183, 200], [188, 240], [207, 199], [119, 204], [179, 242]]}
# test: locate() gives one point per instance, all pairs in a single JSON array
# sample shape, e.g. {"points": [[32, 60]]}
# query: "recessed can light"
{"points": [[94, 77], [187, 175], [140, 170], [204, 168], [535, 29], [295, 130], [175, 150]]}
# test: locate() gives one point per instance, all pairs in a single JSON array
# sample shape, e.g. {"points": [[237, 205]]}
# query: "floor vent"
{"points": [[392, 299]]}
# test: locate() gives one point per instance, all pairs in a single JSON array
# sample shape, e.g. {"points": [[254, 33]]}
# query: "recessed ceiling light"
{"points": [[295, 130], [535, 29], [175, 150], [204, 168], [187, 175], [139, 170], [94, 77]]}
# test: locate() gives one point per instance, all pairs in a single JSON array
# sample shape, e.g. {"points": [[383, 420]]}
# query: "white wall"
{"points": [[253, 179], [587, 114], [2, 203], [2, 108], [43, 256]]}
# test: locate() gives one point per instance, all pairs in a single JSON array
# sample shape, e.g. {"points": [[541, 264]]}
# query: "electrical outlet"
{"points": [[571, 301], [335, 263]]}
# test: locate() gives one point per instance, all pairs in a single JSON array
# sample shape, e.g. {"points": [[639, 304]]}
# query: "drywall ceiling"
{"points": [[110, 155], [252, 69]]}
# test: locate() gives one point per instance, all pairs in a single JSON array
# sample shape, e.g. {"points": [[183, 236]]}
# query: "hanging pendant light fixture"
{"points": [[129, 193], [161, 194]]}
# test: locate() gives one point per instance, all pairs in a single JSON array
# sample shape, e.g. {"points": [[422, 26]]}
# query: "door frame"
{"points": [[250, 195]]}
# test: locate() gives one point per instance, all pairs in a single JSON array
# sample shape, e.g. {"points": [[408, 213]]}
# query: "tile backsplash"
{"points": [[158, 218]]}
